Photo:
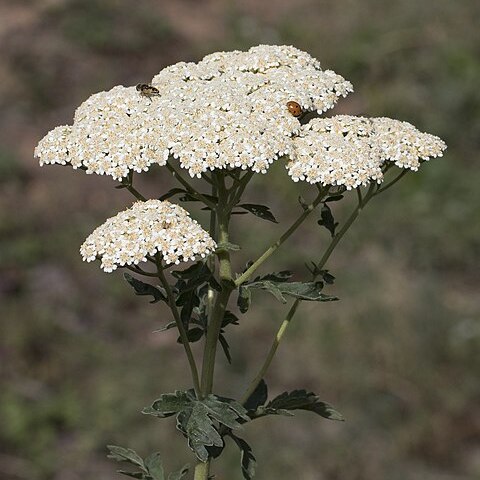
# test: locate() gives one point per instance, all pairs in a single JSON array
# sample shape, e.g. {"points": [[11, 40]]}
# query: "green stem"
{"points": [[307, 211], [202, 471], [189, 188], [223, 212], [180, 326], [136, 193], [242, 184], [393, 182], [293, 309], [139, 271], [220, 305], [271, 353]]}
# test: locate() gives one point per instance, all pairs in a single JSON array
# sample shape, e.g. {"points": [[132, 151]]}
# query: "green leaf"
{"points": [[247, 458], [196, 275], [244, 299], [190, 198], [171, 193], [334, 198], [327, 220], [282, 276], [197, 419], [127, 455], [179, 474], [227, 247], [261, 211], [138, 475], [194, 335], [301, 400], [168, 326], [258, 397], [169, 404], [229, 318], [142, 288], [310, 291], [154, 466], [196, 424]]}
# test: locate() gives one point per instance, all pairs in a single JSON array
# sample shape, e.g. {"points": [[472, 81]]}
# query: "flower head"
{"points": [[350, 151], [228, 110], [145, 229]]}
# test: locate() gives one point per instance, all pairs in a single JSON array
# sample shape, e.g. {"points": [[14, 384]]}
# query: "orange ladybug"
{"points": [[294, 108]]}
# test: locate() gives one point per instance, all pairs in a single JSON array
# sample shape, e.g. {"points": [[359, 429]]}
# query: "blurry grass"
{"points": [[111, 26]]}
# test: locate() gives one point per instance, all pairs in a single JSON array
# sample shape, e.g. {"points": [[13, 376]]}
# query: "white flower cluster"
{"points": [[228, 110], [145, 229], [350, 151]]}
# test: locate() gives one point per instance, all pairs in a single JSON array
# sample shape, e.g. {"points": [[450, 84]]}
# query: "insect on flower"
{"points": [[294, 108], [147, 90]]}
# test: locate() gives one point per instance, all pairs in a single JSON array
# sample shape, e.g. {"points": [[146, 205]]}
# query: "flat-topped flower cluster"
{"points": [[230, 110], [350, 151], [145, 229]]}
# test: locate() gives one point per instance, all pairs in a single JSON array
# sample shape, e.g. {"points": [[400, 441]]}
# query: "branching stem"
{"points": [[362, 201], [194, 193], [270, 250]]}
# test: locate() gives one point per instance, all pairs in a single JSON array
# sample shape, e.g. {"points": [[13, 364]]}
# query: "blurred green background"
{"points": [[399, 355]]}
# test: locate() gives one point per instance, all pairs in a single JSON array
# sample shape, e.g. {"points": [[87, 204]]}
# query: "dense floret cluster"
{"points": [[350, 151], [147, 228], [228, 110]]}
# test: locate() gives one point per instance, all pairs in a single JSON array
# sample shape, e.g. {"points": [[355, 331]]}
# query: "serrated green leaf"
{"points": [[302, 400], [261, 211], [142, 288], [258, 397], [229, 318], [169, 404], [199, 429], [244, 299], [327, 220], [154, 465], [127, 455], [179, 474], [197, 419], [247, 458], [310, 291], [282, 276], [225, 411]]}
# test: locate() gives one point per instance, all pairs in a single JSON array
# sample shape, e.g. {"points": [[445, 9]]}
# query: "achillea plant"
{"points": [[222, 120]]}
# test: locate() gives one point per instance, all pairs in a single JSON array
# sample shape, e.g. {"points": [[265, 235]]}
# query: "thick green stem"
{"points": [[293, 309], [223, 212], [202, 471], [181, 328], [307, 211], [220, 305]]}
